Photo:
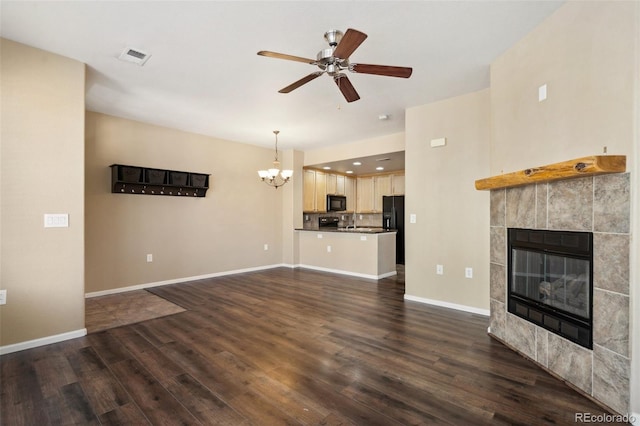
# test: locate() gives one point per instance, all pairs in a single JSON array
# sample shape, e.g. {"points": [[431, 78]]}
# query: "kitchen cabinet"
{"points": [[340, 182], [335, 184], [314, 197], [381, 187], [365, 194], [350, 193], [371, 189], [397, 184], [321, 192], [332, 183], [308, 190]]}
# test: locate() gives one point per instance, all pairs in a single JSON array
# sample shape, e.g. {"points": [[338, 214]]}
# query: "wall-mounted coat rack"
{"points": [[151, 181]]}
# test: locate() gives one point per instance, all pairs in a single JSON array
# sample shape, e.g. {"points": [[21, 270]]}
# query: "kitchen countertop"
{"points": [[358, 230]]}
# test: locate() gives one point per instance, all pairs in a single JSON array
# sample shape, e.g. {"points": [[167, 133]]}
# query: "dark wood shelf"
{"points": [[127, 179]]}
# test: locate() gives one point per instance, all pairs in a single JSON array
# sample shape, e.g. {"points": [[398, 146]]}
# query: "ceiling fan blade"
{"points": [[349, 43], [347, 89], [403, 72], [287, 57], [300, 82]]}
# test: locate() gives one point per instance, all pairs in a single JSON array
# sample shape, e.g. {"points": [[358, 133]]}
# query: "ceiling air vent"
{"points": [[134, 55]]}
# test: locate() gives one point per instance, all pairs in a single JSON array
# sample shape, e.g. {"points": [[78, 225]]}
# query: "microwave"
{"points": [[336, 203]]}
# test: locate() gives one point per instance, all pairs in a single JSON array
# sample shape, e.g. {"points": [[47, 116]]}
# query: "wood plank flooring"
{"points": [[284, 346]]}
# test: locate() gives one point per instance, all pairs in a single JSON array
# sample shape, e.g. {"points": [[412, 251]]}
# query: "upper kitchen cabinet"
{"points": [[397, 184], [308, 190], [317, 185], [314, 197], [371, 189], [365, 194], [350, 193], [335, 184]]}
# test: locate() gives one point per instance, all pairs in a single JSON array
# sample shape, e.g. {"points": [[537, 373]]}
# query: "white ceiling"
{"points": [[204, 75]]}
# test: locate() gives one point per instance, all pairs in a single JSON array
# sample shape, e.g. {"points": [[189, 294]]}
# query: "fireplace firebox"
{"points": [[550, 276]]}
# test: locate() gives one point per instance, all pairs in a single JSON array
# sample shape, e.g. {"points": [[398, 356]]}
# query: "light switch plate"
{"points": [[3, 297], [58, 220]]}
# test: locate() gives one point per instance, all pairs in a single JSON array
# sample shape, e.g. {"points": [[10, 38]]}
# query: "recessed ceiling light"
{"points": [[380, 168], [349, 172], [357, 163], [327, 168]]}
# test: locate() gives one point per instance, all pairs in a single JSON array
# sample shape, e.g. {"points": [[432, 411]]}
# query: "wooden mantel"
{"points": [[580, 167]]}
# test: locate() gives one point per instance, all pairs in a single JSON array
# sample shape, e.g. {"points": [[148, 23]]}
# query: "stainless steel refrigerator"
{"points": [[393, 218]]}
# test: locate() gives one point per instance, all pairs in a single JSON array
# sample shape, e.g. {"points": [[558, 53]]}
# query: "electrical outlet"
{"points": [[412, 218], [439, 269], [3, 297], [320, 236], [266, 247], [328, 249], [468, 272], [149, 258]]}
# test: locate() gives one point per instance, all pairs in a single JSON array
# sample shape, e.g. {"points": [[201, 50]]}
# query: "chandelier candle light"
{"points": [[274, 177]]}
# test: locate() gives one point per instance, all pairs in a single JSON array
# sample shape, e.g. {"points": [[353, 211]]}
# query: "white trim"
{"points": [[350, 273], [30, 344], [179, 280], [455, 306]]}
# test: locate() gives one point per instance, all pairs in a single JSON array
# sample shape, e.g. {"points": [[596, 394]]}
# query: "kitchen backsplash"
{"points": [[310, 220]]}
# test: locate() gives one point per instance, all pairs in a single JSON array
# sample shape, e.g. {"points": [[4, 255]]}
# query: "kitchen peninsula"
{"points": [[363, 252]]}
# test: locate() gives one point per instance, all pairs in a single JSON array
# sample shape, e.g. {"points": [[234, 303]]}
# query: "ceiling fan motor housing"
{"points": [[326, 61]]}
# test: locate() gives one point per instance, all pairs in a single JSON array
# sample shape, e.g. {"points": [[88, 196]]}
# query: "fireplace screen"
{"points": [[550, 281], [557, 281]]}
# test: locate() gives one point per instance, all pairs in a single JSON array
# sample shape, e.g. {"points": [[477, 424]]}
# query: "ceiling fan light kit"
{"points": [[334, 60]]}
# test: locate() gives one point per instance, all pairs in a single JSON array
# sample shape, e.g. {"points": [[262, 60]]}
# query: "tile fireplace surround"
{"points": [[598, 204]]}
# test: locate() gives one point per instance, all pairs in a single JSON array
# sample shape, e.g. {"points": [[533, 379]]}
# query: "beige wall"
{"points": [[452, 226], [363, 148], [188, 237], [588, 55], [292, 207], [584, 54], [42, 171]]}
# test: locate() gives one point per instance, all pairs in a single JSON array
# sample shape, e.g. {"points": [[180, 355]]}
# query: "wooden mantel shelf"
{"points": [[580, 167]]}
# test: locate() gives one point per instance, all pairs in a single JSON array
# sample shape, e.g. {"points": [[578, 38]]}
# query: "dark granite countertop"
{"points": [[358, 230]]}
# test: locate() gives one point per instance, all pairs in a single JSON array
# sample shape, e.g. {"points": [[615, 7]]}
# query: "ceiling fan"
{"points": [[335, 59]]}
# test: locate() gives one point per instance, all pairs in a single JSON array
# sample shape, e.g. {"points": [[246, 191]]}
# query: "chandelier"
{"points": [[274, 176]]}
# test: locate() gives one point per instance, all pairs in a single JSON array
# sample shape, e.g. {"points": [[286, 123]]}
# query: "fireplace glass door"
{"points": [[559, 282], [550, 276]]}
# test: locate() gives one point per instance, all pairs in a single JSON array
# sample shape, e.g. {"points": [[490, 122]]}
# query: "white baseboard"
{"points": [[179, 280], [29, 344], [350, 273], [455, 306]]}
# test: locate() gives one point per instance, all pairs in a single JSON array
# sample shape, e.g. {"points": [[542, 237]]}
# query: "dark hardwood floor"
{"points": [[286, 346]]}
